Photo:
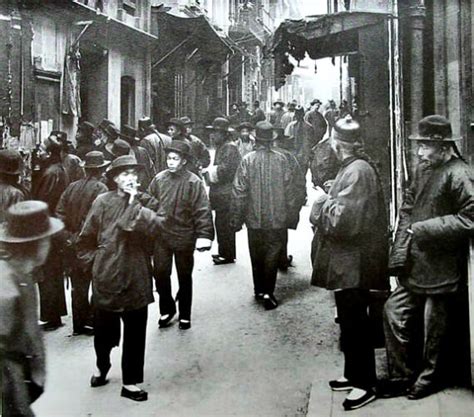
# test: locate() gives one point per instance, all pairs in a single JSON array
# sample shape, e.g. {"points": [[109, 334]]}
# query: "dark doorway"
{"points": [[127, 101]]}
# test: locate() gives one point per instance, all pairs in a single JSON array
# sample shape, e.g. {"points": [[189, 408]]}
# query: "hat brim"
{"points": [[103, 165], [55, 226], [272, 139], [114, 171], [109, 147], [229, 129], [430, 139], [279, 102]]}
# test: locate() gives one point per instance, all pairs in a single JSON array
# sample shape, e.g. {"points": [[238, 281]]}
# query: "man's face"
{"points": [[98, 137], [430, 154], [127, 179], [175, 161], [278, 106], [189, 129], [316, 106], [218, 136], [336, 148], [245, 133], [173, 131]]}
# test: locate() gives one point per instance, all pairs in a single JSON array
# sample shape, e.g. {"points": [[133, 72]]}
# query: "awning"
{"points": [[323, 35], [175, 32]]}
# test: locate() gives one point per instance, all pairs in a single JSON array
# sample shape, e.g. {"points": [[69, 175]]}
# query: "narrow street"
{"points": [[237, 359]]}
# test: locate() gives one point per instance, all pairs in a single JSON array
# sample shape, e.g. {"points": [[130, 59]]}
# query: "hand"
{"points": [[327, 185], [319, 194], [132, 190], [203, 244]]}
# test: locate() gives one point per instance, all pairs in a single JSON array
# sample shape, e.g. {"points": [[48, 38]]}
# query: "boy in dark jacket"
{"points": [[184, 204]]}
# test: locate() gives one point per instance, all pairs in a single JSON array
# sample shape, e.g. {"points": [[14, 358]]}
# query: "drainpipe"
{"points": [[417, 15]]}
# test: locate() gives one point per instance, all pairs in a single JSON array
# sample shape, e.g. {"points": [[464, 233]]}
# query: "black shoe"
{"points": [[216, 256], [340, 385], [165, 322], [134, 395], [392, 388], [417, 392], [184, 325], [259, 296], [286, 264], [85, 330], [270, 302], [222, 261], [50, 326], [368, 397]]}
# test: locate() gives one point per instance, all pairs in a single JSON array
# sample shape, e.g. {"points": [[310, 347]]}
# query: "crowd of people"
{"points": [[130, 201]]}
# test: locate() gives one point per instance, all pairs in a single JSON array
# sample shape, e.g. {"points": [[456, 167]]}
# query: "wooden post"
{"points": [[470, 288]]}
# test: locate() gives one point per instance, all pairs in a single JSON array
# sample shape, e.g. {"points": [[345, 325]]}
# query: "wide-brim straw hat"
{"points": [[28, 221]]}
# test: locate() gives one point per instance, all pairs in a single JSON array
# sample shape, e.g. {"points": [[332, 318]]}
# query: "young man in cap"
{"points": [[184, 203], [25, 242], [277, 113], [49, 188], [119, 257], [11, 191], [262, 198], [316, 120], [84, 139], [72, 209], [153, 142], [350, 257], [429, 258], [200, 156], [258, 115], [220, 177], [245, 141]]}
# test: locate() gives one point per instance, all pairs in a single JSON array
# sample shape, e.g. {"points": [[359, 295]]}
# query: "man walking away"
{"points": [[153, 142], [351, 252], [262, 198], [183, 201], [429, 257], [72, 209]]}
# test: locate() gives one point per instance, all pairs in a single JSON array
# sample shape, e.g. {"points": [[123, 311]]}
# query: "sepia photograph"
{"points": [[237, 208]]}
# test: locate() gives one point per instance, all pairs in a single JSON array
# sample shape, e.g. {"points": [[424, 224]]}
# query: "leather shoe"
{"points": [[417, 392], [165, 322], [222, 261], [134, 395]]}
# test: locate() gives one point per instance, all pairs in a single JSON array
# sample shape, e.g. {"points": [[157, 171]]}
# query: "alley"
{"points": [[237, 359]]}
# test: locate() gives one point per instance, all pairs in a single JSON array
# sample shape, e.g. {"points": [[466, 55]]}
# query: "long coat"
{"points": [[155, 146], [351, 237], [439, 208], [21, 343], [120, 260], [318, 122], [263, 193]]}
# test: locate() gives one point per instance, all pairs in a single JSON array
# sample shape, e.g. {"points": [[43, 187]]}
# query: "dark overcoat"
{"points": [[351, 237]]}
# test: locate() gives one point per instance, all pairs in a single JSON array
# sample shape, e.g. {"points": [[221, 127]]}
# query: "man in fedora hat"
{"points": [[316, 120], [429, 257], [11, 191], [245, 141], [350, 256], [300, 132], [220, 177], [102, 135], [183, 201], [24, 242], [277, 113], [119, 258], [289, 115], [70, 162], [262, 198], [129, 134], [200, 156], [153, 142], [50, 185], [84, 139], [72, 209]]}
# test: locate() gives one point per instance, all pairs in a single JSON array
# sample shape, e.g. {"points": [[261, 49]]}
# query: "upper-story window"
{"points": [[130, 6]]}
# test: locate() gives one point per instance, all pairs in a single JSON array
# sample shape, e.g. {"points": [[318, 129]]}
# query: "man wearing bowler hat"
{"points": [[350, 256], [118, 254], [220, 177], [277, 113], [183, 202], [200, 157], [316, 120], [429, 258], [24, 243], [11, 191], [262, 198], [72, 209]]}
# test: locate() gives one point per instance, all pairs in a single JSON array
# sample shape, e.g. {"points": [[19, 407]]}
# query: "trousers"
{"points": [[415, 326], [356, 341], [163, 263], [224, 233], [81, 309], [107, 336], [265, 247]]}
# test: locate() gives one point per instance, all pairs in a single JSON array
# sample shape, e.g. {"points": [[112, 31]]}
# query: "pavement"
{"points": [[236, 360]]}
